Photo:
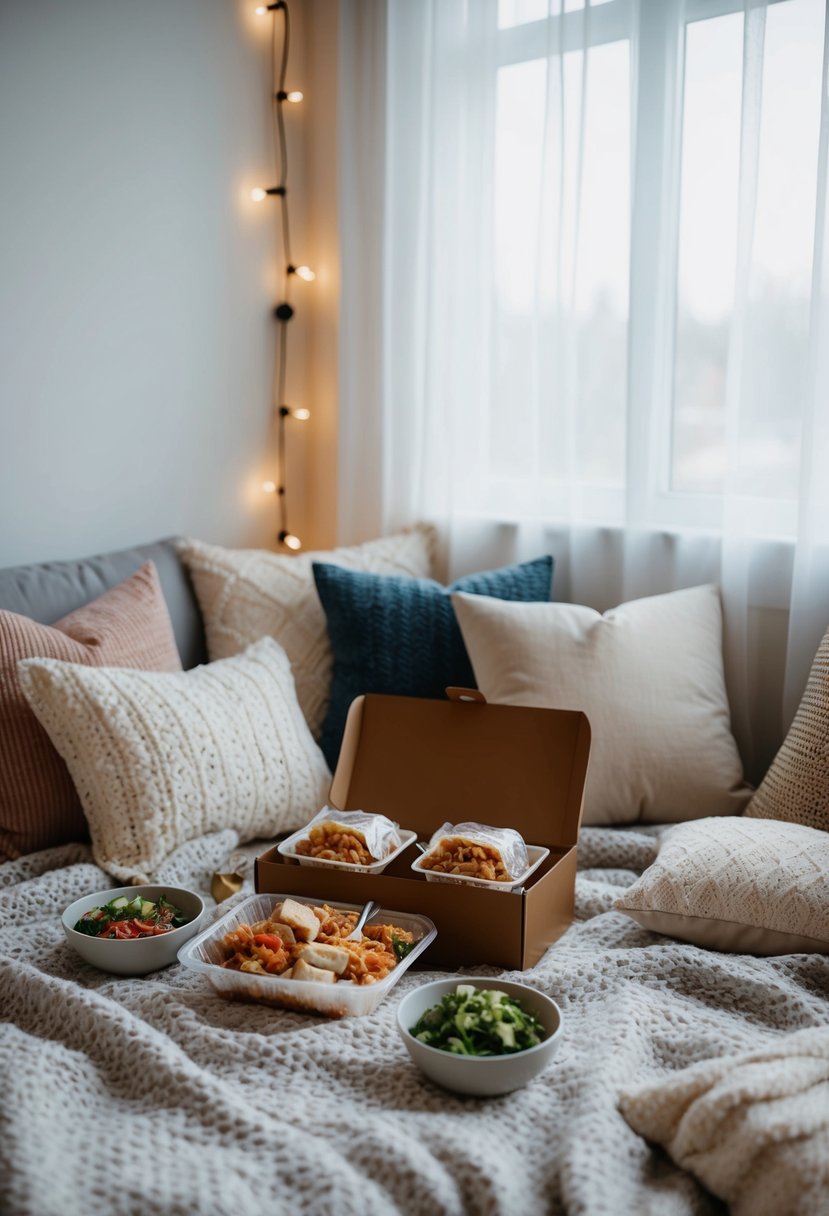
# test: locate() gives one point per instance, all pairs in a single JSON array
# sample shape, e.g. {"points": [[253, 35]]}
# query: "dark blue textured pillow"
{"points": [[399, 635]]}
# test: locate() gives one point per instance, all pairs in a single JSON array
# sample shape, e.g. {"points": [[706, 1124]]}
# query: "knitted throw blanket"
{"points": [[153, 1097]]}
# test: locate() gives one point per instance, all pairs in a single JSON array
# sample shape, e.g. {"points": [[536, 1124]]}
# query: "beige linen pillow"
{"points": [[752, 886], [127, 626], [796, 787], [246, 594], [649, 676], [158, 759], [754, 1127]]}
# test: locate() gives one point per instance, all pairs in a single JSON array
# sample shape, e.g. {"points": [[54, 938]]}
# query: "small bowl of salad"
{"points": [[133, 930], [479, 1036]]}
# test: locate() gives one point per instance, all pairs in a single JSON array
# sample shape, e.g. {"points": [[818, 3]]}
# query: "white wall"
{"points": [[136, 277]]}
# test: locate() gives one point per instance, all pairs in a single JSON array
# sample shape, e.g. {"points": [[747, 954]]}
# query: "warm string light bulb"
{"points": [[290, 541], [301, 415], [294, 96], [258, 194], [269, 487], [303, 272]]}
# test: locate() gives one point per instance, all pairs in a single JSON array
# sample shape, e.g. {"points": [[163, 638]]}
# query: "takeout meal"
{"points": [[301, 942], [478, 1022], [126, 919], [333, 842], [474, 850], [350, 836]]}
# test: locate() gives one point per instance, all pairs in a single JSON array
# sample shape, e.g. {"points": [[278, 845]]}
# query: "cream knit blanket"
{"points": [[153, 1097]]}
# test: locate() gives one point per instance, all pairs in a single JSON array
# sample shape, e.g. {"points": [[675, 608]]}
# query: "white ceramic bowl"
{"points": [[483, 1076], [143, 954]]}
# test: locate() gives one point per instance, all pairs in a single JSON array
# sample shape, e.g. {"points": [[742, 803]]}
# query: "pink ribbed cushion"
{"points": [[128, 626]]}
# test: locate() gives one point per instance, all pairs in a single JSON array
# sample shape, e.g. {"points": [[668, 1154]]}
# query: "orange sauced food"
{"points": [[457, 855], [331, 842], [301, 942]]}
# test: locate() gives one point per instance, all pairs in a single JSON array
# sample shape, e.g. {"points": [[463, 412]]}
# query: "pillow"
{"points": [[246, 594], [161, 758], [753, 1128], [796, 787], [649, 676], [128, 626], [752, 886], [399, 635]]}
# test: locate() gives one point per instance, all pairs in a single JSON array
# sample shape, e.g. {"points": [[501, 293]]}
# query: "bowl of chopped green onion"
{"points": [[132, 930], [480, 1035]]}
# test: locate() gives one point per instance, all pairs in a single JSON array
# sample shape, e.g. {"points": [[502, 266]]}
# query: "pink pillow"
{"points": [[128, 626]]}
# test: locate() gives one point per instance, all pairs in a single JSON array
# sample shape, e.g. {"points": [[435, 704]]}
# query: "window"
{"points": [[653, 221]]}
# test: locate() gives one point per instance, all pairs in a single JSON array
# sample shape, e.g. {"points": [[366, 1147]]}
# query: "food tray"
{"points": [[535, 855], [288, 849], [343, 999]]}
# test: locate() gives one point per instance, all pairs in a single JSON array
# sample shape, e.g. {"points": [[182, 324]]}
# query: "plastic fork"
{"points": [[357, 932]]}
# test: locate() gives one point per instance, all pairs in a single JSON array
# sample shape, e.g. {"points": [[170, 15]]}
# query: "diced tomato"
{"points": [[268, 939], [143, 926]]}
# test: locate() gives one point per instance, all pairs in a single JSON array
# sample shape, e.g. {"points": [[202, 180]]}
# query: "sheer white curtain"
{"points": [[585, 304]]}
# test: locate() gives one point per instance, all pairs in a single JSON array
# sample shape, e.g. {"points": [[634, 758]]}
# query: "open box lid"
{"points": [[426, 762]]}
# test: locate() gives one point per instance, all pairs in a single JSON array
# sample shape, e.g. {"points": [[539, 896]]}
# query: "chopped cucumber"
{"points": [[118, 904], [478, 1022]]}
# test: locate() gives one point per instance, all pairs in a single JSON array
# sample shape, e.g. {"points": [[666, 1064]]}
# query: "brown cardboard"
{"points": [[423, 763]]}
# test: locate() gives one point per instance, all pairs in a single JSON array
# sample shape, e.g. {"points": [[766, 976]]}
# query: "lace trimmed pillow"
{"points": [[246, 594], [751, 886], [796, 787], [161, 758]]}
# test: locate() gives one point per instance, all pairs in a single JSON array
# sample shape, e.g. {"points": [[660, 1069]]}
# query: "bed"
{"points": [[155, 1096]]}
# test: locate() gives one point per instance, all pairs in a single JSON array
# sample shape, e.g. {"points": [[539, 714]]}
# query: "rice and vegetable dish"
{"points": [[301, 942]]}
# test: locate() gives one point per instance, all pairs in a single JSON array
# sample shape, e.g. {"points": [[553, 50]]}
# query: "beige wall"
{"points": [[318, 21], [136, 340]]}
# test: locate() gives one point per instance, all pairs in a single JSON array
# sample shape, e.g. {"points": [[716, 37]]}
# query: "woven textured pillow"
{"points": [[246, 594], [750, 886], [649, 676], [159, 759], [796, 787], [399, 635], [753, 1127], [128, 626]]}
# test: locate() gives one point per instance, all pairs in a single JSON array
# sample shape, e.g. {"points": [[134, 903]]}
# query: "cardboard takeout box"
{"points": [[424, 763]]}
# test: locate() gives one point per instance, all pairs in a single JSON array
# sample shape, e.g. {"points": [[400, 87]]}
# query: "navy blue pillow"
{"points": [[400, 636]]}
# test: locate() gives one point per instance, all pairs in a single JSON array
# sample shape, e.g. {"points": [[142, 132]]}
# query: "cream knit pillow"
{"points": [[796, 787], [246, 594], [649, 676], [754, 1127], [752, 886], [158, 759]]}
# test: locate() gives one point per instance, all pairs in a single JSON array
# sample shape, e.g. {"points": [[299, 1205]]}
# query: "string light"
{"points": [[304, 272], [284, 311]]}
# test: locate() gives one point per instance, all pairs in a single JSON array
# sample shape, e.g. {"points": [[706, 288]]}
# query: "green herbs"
{"points": [[478, 1022], [130, 918], [400, 947]]}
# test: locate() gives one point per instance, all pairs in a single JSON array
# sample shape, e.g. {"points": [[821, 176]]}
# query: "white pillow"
{"points": [[159, 758], [755, 886], [649, 676], [246, 594], [754, 1127]]}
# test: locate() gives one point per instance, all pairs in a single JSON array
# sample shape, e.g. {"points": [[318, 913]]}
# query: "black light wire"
{"points": [[283, 312]]}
